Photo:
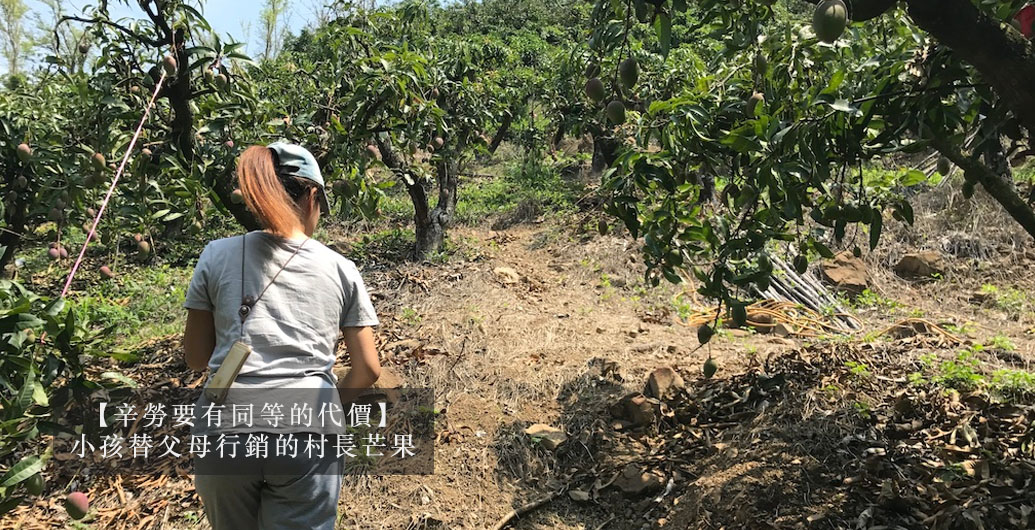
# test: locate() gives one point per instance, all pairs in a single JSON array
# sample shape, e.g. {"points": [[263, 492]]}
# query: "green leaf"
{"points": [[640, 7], [875, 228], [739, 314], [242, 58], [24, 398], [55, 307], [913, 177], [843, 105], [24, 469], [905, 210], [823, 250], [39, 395], [120, 378], [663, 27], [835, 82], [196, 50], [801, 264], [742, 139], [9, 504]]}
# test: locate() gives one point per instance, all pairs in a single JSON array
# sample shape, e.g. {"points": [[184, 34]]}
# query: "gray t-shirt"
{"points": [[293, 329]]}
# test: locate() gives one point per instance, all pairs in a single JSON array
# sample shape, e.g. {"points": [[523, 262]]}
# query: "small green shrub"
{"points": [[410, 316], [964, 374], [871, 300], [963, 329], [42, 347], [1013, 302], [1013, 384], [917, 379], [961, 373], [1001, 342], [859, 370]]}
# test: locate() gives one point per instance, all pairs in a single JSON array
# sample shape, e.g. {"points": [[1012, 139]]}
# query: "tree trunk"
{"points": [[11, 236], [429, 234], [178, 91], [429, 224], [605, 152], [558, 136], [448, 181], [501, 133]]}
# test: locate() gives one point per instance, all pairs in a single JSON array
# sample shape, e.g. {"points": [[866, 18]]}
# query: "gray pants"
{"points": [[263, 496]]}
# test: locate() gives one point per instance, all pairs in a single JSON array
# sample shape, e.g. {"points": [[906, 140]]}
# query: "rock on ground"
{"points": [[550, 437], [636, 409], [664, 383], [386, 388], [925, 264], [634, 481], [506, 275], [846, 273], [783, 330]]}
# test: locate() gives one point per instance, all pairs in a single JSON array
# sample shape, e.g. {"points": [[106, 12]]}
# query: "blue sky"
{"points": [[227, 17]]}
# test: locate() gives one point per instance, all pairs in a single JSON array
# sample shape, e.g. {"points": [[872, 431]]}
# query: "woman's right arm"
{"points": [[366, 367], [199, 339], [199, 334]]}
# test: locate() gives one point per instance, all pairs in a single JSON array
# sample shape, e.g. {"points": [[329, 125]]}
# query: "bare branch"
{"points": [[138, 37], [158, 20], [204, 92]]}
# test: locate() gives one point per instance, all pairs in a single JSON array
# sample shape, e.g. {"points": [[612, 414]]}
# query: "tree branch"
{"points": [[205, 92], [501, 132], [159, 21], [913, 92], [1000, 189], [139, 38], [418, 196]]}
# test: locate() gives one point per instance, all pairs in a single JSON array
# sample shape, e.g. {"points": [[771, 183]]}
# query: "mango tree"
{"points": [[417, 103], [207, 91], [788, 108], [78, 123], [432, 132]]}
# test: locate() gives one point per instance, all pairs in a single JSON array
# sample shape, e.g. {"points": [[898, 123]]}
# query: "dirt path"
{"points": [[542, 326], [537, 328]]}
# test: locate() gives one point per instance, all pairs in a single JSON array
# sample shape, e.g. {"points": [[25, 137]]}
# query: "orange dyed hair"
{"points": [[264, 194]]}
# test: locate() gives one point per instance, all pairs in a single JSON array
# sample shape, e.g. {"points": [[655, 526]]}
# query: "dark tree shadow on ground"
{"points": [[813, 440]]}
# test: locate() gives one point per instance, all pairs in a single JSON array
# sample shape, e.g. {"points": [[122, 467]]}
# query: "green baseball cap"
{"points": [[297, 161]]}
